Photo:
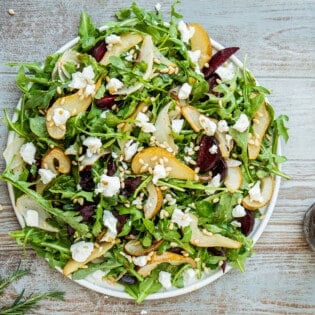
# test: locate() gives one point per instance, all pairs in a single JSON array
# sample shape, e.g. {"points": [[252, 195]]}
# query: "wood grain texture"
{"points": [[278, 37]]}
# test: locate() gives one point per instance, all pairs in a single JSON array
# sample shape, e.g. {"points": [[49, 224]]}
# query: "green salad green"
{"points": [[131, 160]]}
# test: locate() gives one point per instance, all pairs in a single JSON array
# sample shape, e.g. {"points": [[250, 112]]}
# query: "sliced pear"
{"points": [[74, 104], [56, 161], [260, 124], [233, 179], [154, 202], [200, 239], [192, 115], [224, 146], [127, 127], [163, 133], [267, 186], [201, 41], [127, 41], [150, 157], [13, 157], [99, 250], [166, 257], [25, 204], [135, 248]]}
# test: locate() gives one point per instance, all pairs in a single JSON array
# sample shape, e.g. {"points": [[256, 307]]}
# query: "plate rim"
{"points": [[163, 294]]}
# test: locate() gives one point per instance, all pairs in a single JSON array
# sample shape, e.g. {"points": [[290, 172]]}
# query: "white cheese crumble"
{"points": [[140, 260], [213, 149], [108, 185], [165, 278], [242, 123], [31, 218], [223, 126], [177, 125], [194, 57], [27, 152], [158, 7], [130, 149], [255, 193], [113, 85], [159, 171], [46, 176], [216, 181], [180, 218], [98, 275], [189, 276], [110, 222], [71, 150], [208, 125], [112, 39], [84, 80], [93, 145], [238, 211], [60, 116], [236, 223], [142, 121], [226, 71], [80, 251], [186, 32], [184, 91]]}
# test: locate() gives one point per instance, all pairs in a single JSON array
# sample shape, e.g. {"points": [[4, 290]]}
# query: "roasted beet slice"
{"points": [[220, 167], [70, 231], [131, 184], [213, 82], [111, 166], [98, 51], [122, 220], [86, 179], [219, 252], [247, 222], [206, 160], [87, 210], [106, 102], [176, 250], [218, 59]]}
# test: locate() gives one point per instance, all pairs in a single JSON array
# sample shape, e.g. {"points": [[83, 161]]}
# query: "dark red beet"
{"points": [[70, 230], [106, 102], [219, 252], [128, 279], [98, 51], [205, 160], [131, 184], [176, 250], [111, 167], [218, 59], [122, 220], [247, 222], [213, 82], [86, 179], [87, 211], [220, 167]]}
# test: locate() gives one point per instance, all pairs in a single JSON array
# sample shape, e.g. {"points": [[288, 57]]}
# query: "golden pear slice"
{"points": [[56, 161], [192, 115], [99, 250], [149, 157], [74, 104], [127, 41], [154, 202], [233, 179], [166, 257], [260, 124], [266, 187], [200, 239], [201, 41], [135, 248]]}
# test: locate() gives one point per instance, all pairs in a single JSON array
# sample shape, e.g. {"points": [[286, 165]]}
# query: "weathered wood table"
{"points": [[278, 37]]}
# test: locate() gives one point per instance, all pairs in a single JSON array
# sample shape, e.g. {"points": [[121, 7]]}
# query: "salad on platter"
{"points": [[140, 155]]}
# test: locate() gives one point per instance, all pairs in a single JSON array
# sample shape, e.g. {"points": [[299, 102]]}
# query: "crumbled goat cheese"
{"points": [[226, 72], [165, 279], [110, 222], [71, 150], [208, 125], [31, 218], [184, 91], [158, 7], [129, 56], [80, 251], [216, 181], [229, 140], [130, 149], [213, 149], [104, 113], [177, 125], [142, 121], [46, 176], [189, 276], [93, 145], [242, 123], [223, 126], [84, 80], [233, 163], [236, 223], [112, 39], [98, 275], [238, 211], [159, 171], [27, 152], [113, 85], [194, 57], [180, 218], [255, 193], [60, 116], [186, 32], [140, 260], [108, 186]]}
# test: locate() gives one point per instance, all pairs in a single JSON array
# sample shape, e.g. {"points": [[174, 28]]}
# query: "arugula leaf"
{"points": [[87, 32]]}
